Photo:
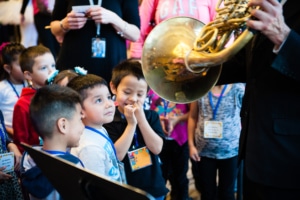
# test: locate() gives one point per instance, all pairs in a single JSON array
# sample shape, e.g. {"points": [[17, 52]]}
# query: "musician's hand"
{"points": [[269, 20]]}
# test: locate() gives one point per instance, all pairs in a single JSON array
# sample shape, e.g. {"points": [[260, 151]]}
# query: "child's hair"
{"points": [[9, 53], [125, 68], [82, 83], [28, 55], [50, 103], [63, 74]]}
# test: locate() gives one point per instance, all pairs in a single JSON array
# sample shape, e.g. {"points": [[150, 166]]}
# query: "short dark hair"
{"points": [[28, 55], [8, 55], [125, 68], [50, 103], [82, 83]]}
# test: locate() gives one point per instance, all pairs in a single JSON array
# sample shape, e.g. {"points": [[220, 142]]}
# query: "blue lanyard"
{"points": [[3, 138], [53, 152], [103, 135], [13, 87], [218, 102], [166, 105]]}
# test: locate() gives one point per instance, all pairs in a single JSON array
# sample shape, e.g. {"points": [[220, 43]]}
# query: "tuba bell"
{"points": [[182, 58]]}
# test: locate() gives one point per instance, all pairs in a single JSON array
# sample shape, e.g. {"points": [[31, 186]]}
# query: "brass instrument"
{"points": [[182, 69]]}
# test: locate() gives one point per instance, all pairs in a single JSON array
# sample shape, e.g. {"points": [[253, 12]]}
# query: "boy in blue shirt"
{"points": [[56, 114]]}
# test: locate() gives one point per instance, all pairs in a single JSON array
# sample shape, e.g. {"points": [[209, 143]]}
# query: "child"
{"points": [[175, 152], [9, 185], [214, 127], [12, 81], [96, 150], [138, 150], [56, 115], [37, 63]]}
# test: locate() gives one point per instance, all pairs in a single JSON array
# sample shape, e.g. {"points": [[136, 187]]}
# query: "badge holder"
{"points": [[98, 45], [139, 158]]}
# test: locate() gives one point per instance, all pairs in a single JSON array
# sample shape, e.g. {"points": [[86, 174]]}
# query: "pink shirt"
{"points": [[203, 10], [179, 133]]}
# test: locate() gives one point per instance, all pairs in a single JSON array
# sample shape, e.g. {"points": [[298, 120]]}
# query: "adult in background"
{"points": [[270, 136], [111, 21], [42, 10]]}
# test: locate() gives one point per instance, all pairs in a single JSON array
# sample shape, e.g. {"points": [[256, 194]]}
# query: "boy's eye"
{"points": [[109, 97], [43, 67], [53, 66], [98, 100]]}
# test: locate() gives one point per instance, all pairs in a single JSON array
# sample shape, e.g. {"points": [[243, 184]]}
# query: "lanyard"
{"points": [[3, 136], [53, 152], [166, 105], [13, 87], [98, 25], [218, 102], [103, 135]]}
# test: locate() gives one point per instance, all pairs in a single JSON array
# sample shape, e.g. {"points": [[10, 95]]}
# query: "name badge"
{"points": [[213, 129], [139, 158], [98, 47], [7, 160]]}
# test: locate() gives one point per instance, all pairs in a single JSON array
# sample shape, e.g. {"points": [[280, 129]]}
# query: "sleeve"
{"points": [[212, 7], [146, 11], [20, 126], [287, 60], [60, 10], [23, 7]]}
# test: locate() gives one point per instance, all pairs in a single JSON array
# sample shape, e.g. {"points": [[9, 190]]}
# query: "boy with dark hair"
{"points": [[56, 115], [139, 147], [37, 63], [96, 150]]}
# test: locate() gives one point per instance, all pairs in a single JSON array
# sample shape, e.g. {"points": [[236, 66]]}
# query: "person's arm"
{"points": [[147, 12], [192, 123], [20, 126], [22, 11], [152, 140], [269, 20], [123, 143], [72, 21], [104, 16], [18, 156]]}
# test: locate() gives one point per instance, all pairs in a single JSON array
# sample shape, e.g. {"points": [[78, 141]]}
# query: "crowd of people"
{"points": [[84, 101]]}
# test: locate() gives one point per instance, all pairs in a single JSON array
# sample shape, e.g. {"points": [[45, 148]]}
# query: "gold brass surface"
{"points": [[182, 57]]}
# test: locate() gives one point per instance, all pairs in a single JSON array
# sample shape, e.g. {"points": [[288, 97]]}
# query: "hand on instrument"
{"points": [[269, 20]]}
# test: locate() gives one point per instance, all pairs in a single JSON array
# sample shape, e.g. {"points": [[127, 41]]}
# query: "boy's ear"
{"points": [[27, 75], [112, 88], [7, 68], [62, 125]]}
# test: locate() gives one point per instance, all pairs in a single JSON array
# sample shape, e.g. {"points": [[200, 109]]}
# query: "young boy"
{"points": [[56, 115], [96, 150], [139, 149], [37, 63]]}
